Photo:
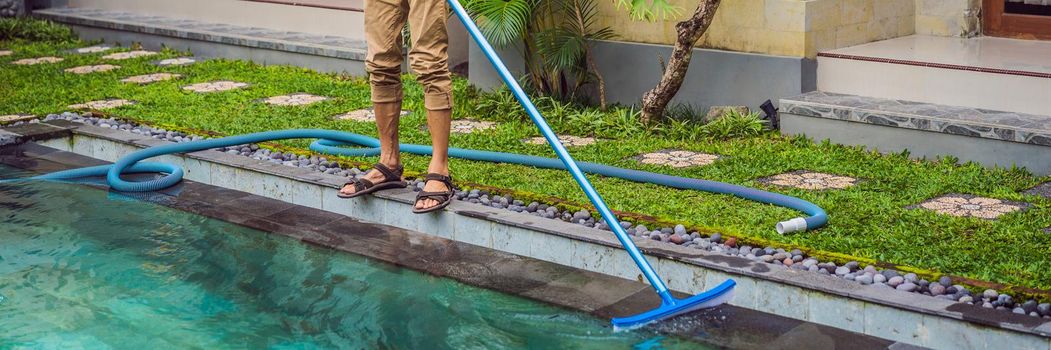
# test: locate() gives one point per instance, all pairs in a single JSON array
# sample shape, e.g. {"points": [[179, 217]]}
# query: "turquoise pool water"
{"points": [[78, 270]]}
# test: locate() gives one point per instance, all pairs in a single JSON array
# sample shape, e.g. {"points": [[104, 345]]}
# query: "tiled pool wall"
{"points": [[889, 314]]}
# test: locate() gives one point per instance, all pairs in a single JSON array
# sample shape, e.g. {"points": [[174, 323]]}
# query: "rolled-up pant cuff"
{"points": [[438, 101], [386, 93]]}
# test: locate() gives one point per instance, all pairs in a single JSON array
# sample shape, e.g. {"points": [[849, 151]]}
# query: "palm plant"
{"points": [[554, 35], [566, 47]]}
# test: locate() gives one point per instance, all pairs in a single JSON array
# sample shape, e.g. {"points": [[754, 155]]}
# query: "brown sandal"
{"points": [[391, 179], [443, 197]]}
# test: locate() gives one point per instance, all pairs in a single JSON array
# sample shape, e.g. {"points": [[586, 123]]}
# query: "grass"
{"points": [[869, 221]]}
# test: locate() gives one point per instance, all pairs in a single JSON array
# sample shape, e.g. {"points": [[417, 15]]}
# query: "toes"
{"points": [[426, 203]]}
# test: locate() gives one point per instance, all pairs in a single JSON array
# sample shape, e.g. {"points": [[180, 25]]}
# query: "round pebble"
{"points": [[937, 289], [907, 286]]}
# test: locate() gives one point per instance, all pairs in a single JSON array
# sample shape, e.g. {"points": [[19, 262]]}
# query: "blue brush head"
{"points": [[710, 298]]}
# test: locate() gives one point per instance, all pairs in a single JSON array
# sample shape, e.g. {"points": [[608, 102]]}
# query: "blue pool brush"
{"points": [[670, 306]]}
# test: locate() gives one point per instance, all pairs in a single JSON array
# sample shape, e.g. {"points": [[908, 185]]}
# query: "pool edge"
{"points": [[899, 316]]}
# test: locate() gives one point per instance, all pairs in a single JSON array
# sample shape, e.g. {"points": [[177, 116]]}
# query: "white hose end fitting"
{"points": [[794, 225]]}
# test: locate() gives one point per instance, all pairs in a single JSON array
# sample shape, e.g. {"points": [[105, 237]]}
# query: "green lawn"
{"points": [[868, 221]]}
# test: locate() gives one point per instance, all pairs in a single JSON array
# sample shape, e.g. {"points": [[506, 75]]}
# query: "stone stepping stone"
{"points": [[966, 205], [102, 104], [128, 55], [6, 53], [92, 49], [297, 99], [151, 78], [11, 118], [362, 115], [466, 126], [567, 140], [178, 61], [91, 69], [810, 180], [677, 158], [1042, 190], [37, 60], [215, 86]]}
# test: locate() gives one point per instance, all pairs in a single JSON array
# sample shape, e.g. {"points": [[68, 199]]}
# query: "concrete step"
{"points": [[215, 39], [341, 18], [989, 73], [926, 130]]}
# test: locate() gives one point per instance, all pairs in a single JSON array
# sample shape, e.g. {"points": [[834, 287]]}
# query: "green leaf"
{"points": [[503, 22]]}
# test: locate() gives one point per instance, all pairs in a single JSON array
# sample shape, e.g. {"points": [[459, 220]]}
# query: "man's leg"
{"points": [[384, 20], [429, 58]]}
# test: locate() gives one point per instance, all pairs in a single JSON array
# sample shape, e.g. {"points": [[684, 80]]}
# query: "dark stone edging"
{"points": [[712, 261]]}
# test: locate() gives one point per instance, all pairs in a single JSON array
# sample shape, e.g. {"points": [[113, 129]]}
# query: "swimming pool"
{"points": [[80, 269]]}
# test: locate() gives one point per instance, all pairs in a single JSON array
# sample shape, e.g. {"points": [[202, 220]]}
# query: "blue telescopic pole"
{"points": [[560, 150]]}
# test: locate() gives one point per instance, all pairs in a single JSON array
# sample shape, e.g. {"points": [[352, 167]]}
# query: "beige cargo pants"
{"points": [[428, 57]]}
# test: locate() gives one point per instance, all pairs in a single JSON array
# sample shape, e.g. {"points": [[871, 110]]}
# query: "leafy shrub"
{"points": [[734, 124], [31, 29]]}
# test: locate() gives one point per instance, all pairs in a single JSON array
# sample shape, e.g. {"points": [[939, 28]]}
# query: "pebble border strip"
{"points": [[794, 259]]}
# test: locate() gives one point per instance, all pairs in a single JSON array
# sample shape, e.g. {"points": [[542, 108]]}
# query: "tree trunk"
{"points": [[598, 79], [688, 32]]}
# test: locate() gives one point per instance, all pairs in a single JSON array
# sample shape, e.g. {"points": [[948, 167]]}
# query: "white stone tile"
{"points": [[223, 176], [443, 225], [479, 237], [307, 194], [944, 333], [61, 144], [83, 146], [370, 208], [606, 260], [681, 277], [197, 170], [894, 324], [744, 293], [330, 202], [782, 299], [512, 239], [836, 311], [401, 215], [169, 159], [552, 248], [502, 239]]}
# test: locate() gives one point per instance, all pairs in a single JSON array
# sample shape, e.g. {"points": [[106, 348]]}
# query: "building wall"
{"points": [[715, 77], [798, 28], [948, 17]]}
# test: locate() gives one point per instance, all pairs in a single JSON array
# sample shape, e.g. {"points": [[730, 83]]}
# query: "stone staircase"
{"points": [[986, 100]]}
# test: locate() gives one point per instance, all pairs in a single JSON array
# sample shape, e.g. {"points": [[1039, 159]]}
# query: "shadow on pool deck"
{"points": [[601, 295]]}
